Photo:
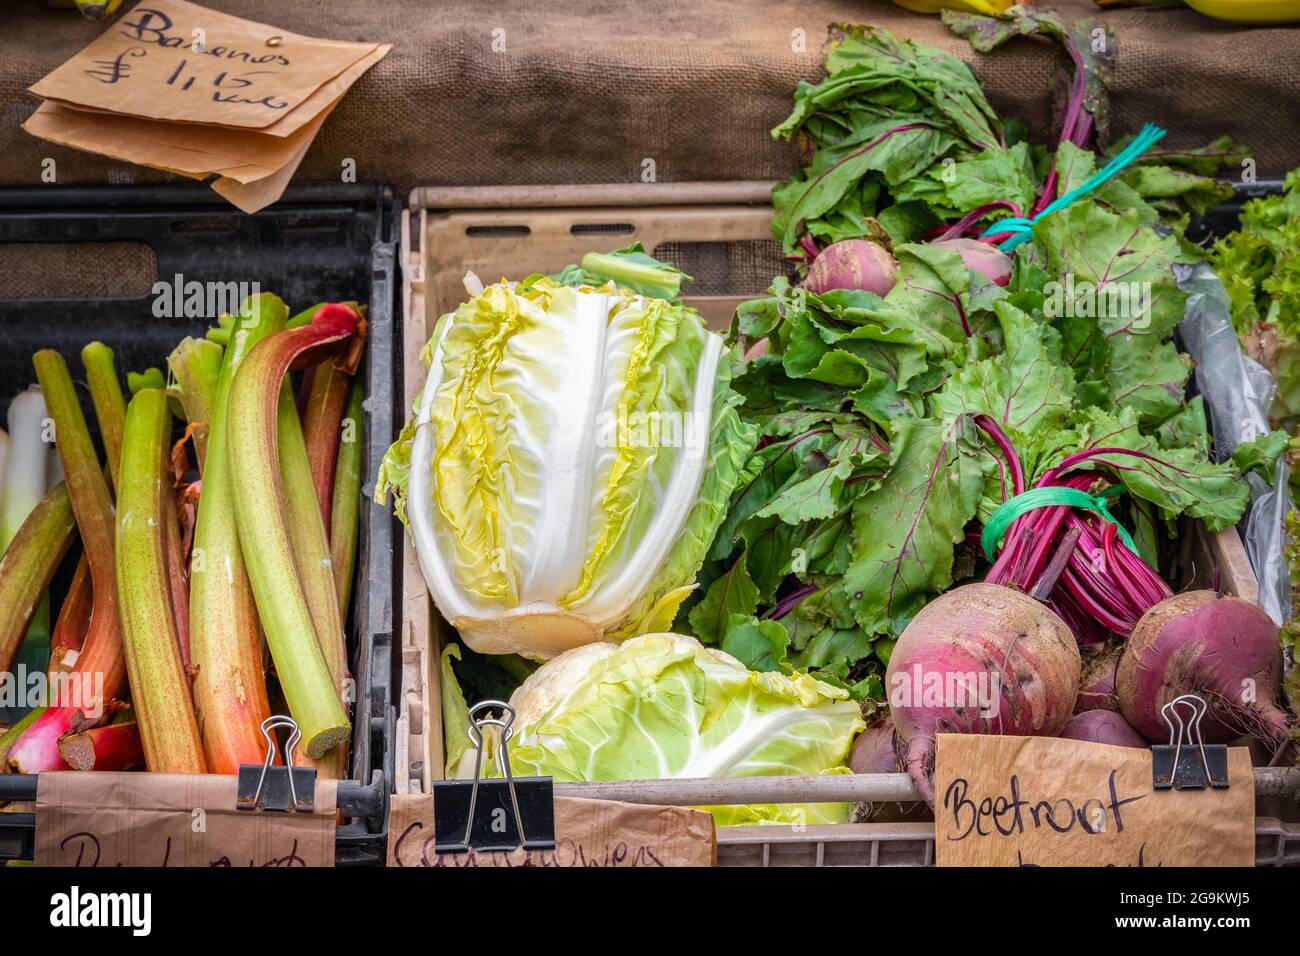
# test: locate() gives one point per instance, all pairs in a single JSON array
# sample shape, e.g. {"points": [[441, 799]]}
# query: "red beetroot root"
{"points": [[1222, 649], [1097, 684], [986, 638], [1103, 727]]}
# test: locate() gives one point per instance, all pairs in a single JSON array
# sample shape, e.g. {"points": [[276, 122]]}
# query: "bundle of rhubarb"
{"points": [[219, 522]]}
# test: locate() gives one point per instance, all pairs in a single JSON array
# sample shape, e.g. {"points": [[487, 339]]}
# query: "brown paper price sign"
{"points": [[155, 819], [1042, 801], [173, 60], [191, 91], [587, 833]]}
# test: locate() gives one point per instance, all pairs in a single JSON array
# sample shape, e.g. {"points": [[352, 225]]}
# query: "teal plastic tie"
{"points": [[1006, 513], [1023, 229]]}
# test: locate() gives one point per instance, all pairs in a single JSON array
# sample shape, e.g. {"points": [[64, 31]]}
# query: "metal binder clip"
{"points": [[277, 788], [493, 814], [1169, 770]]}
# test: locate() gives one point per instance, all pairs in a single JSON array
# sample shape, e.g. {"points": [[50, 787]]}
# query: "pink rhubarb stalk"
{"points": [[101, 667], [69, 632], [116, 746], [260, 515], [160, 686]]}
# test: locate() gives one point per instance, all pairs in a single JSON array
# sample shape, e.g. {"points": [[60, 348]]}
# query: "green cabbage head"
{"points": [[569, 461], [663, 706]]}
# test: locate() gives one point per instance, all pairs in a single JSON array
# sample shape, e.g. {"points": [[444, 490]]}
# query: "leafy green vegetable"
{"points": [[899, 131], [631, 268], [662, 706], [1260, 266], [570, 459]]}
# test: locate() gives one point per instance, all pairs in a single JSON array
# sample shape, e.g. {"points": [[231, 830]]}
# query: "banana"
{"points": [[1248, 11], [985, 7], [98, 9]]}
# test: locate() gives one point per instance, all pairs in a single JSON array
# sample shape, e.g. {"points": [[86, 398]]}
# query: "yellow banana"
{"points": [[986, 7], [1248, 11], [98, 9]]}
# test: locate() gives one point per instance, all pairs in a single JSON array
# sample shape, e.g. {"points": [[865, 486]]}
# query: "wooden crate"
{"points": [[723, 231]]}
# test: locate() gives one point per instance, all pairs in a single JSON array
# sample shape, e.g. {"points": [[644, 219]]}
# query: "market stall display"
{"points": [[946, 479]]}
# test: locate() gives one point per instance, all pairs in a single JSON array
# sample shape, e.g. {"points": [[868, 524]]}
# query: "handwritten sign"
{"points": [[587, 833], [1042, 801], [177, 61], [153, 819], [177, 87]]}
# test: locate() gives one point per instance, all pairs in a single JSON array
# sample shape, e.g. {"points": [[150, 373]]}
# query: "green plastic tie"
{"points": [[1022, 229], [1006, 513]]}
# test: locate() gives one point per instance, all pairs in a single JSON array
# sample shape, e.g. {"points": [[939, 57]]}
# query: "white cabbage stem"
{"points": [[4, 457]]}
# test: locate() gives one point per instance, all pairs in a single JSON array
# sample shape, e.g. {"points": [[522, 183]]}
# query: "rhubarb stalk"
{"points": [[116, 746], [225, 640], [309, 542], [28, 566], [260, 513], [322, 421], [100, 665], [74, 620], [110, 404], [346, 506], [308, 537], [160, 688], [196, 366]]}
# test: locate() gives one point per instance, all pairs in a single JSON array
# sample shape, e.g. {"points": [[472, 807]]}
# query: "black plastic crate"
{"points": [[320, 242]]}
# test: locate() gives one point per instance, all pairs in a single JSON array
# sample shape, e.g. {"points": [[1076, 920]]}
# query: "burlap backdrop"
{"points": [[586, 90]]}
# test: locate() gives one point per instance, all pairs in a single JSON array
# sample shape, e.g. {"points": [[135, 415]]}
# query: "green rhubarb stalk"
{"points": [[346, 506], [260, 515], [309, 541], [160, 688], [100, 663], [225, 640], [308, 536], [28, 566], [196, 366], [110, 404]]}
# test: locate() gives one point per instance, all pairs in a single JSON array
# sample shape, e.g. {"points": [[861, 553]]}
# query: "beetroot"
{"points": [[852, 264], [873, 751], [980, 659], [1103, 727], [1097, 685], [1222, 649], [876, 751], [989, 261]]}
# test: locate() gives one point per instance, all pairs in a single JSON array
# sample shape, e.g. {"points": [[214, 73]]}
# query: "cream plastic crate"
{"points": [[719, 233]]}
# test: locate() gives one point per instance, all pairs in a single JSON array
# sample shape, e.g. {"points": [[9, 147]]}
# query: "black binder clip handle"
{"points": [[1168, 768], [459, 826], [277, 788]]}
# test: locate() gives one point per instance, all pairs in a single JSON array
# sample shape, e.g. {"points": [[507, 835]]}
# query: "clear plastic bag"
{"points": [[1237, 392]]}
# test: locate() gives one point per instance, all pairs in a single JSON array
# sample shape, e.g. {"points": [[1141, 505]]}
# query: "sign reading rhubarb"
{"points": [[1044, 801], [160, 819]]}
